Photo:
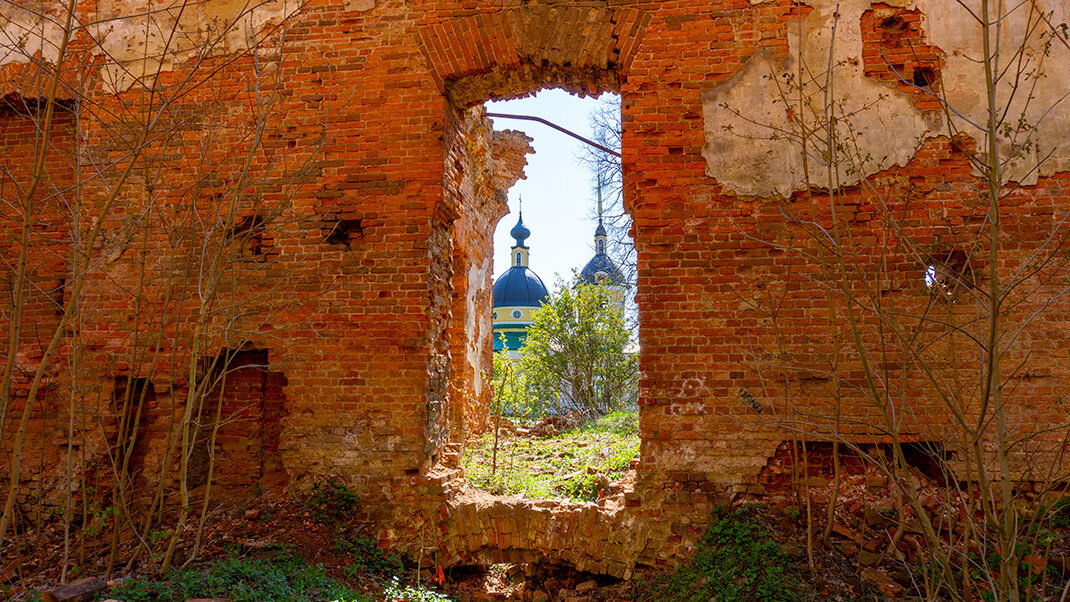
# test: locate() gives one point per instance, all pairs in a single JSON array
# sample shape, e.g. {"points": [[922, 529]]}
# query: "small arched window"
{"points": [[518, 258], [601, 246]]}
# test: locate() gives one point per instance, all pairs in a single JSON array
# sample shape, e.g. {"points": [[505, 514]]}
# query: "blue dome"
{"points": [[520, 232], [519, 287], [600, 230], [602, 263]]}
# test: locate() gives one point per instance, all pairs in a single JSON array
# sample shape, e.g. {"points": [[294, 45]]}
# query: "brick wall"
{"points": [[329, 202]]}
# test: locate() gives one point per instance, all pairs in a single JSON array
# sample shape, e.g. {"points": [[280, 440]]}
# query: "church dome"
{"points": [[520, 232], [519, 287], [602, 270]]}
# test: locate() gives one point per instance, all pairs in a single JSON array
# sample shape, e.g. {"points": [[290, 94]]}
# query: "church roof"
{"points": [[519, 287], [604, 264]]}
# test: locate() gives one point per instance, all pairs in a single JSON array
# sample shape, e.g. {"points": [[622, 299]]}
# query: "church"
{"points": [[519, 291]]}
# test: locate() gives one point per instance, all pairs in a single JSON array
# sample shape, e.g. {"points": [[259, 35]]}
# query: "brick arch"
{"points": [[509, 53]]}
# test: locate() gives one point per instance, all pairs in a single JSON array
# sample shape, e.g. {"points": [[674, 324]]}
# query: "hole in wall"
{"points": [[238, 412], [248, 233], [133, 402], [893, 24], [948, 272], [924, 77], [343, 232], [551, 235]]}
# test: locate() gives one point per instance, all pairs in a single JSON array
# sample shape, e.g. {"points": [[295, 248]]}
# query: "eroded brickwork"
{"points": [[319, 198]]}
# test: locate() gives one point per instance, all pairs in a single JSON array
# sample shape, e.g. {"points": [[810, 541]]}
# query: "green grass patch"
{"points": [[570, 466], [286, 578], [736, 561]]}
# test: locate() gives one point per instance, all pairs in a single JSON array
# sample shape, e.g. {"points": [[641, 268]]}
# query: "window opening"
{"points": [[564, 233]]}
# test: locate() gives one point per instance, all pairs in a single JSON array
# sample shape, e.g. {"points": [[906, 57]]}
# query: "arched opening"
{"points": [[475, 58], [563, 418], [591, 55]]}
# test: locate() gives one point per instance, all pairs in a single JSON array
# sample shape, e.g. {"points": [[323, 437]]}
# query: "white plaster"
{"points": [[137, 37], [952, 29], [149, 32], [743, 116], [476, 321], [30, 28], [359, 5]]}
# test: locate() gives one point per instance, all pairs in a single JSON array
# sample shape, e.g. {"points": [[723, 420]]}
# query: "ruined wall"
{"points": [[481, 165], [317, 186]]}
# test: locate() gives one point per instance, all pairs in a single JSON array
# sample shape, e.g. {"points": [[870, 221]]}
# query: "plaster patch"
{"points": [[359, 5], [139, 37], [479, 339], [751, 142], [952, 29], [751, 120], [31, 28]]}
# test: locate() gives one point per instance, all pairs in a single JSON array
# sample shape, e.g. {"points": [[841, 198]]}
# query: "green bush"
{"points": [[332, 501], [737, 560], [284, 579], [367, 556]]}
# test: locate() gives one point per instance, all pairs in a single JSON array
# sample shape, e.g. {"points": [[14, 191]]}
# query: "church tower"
{"points": [[517, 294], [601, 269]]}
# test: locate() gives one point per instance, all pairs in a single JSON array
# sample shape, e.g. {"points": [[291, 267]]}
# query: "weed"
{"points": [[571, 465], [412, 593], [737, 560], [288, 577], [621, 423], [331, 501], [367, 556]]}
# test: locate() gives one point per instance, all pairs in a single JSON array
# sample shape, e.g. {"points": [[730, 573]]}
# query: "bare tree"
{"points": [[608, 185], [192, 240], [958, 348]]}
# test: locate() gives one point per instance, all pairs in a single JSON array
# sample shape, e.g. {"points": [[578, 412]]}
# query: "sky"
{"points": [[559, 200]]}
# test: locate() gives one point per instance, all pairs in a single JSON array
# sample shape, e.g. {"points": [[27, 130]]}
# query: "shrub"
{"points": [[286, 578], [737, 560]]}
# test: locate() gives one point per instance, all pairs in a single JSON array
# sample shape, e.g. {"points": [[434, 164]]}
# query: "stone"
{"points": [[76, 591], [874, 517], [586, 586], [882, 582], [868, 558]]}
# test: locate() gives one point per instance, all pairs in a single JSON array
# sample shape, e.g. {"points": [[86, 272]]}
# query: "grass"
{"points": [[736, 561], [287, 577], [569, 466]]}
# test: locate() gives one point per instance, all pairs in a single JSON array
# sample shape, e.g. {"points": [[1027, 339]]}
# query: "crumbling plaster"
{"points": [[138, 38], [29, 29], [752, 143]]}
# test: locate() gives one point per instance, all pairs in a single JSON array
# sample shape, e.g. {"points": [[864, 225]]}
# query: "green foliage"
{"points": [[287, 578], [367, 556], [1060, 518], [412, 593], [573, 359], [512, 396], [737, 560], [568, 466], [331, 501], [621, 423]]}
